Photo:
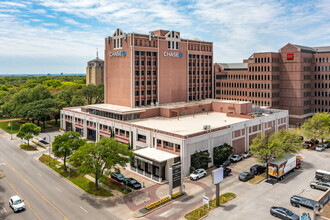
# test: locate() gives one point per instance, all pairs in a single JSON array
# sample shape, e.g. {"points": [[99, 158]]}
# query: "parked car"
{"points": [[257, 169], [320, 147], [298, 201], [315, 141], [245, 176], [132, 183], [226, 171], [224, 164], [308, 144], [283, 213], [118, 176], [247, 154], [327, 144], [320, 185], [197, 174], [235, 158], [16, 203]]}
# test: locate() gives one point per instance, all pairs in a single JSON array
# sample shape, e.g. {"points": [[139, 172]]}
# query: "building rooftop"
{"points": [[234, 66], [188, 124], [314, 49]]}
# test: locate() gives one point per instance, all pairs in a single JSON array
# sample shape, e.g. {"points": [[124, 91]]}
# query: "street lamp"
{"points": [[49, 148]]}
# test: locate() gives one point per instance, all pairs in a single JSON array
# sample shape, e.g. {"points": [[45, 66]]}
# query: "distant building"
{"points": [[297, 78], [95, 71]]}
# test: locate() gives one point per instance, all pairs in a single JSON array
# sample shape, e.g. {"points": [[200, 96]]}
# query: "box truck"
{"points": [[280, 166]]}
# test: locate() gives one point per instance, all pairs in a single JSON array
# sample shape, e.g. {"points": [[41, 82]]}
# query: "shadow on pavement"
{"points": [[91, 201], [228, 207]]}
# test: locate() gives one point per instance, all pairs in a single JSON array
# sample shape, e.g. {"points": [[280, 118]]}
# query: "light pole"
{"points": [[49, 148]]}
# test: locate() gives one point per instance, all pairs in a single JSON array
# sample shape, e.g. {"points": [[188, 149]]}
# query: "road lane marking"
{"points": [[27, 203], [27, 182], [39, 174], [2, 163], [83, 209], [4, 209], [58, 189]]}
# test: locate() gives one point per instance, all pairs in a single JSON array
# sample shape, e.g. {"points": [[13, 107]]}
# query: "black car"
{"points": [[327, 144], [118, 176], [226, 171], [283, 213], [245, 176], [132, 183], [298, 201], [257, 169]]}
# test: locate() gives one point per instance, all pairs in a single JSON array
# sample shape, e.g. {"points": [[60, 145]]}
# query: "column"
{"points": [[73, 123], [85, 128], [97, 131]]}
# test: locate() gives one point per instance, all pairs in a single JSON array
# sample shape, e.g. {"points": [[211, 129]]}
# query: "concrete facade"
{"points": [[156, 68], [297, 78]]}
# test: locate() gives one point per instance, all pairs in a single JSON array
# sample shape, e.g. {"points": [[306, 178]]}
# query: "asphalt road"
{"points": [[46, 194]]}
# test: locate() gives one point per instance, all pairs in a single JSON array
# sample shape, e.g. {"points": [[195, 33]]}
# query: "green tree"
{"points": [[200, 159], [65, 144], [288, 141], [99, 96], [101, 157], [221, 153], [265, 147], [27, 131], [317, 127], [89, 93]]}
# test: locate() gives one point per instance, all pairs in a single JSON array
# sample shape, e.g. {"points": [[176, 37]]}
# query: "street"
{"points": [[46, 194]]}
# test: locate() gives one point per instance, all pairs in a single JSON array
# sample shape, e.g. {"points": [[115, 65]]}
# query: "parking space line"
{"points": [[83, 209], [4, 209], [39, 174], [58, 189]]}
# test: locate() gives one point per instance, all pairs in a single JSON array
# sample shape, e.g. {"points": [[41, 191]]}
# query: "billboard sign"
{"points": [[176, 173], [217, 175]]}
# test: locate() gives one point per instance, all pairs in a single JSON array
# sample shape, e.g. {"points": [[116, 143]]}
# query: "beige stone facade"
{"points": [[95, 72]]}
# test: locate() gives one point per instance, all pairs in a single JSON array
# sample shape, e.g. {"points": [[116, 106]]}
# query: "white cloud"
{"points": [[12, 4]]}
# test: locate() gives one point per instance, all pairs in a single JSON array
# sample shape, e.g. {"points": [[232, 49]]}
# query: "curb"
{"points": [[137, 214]]}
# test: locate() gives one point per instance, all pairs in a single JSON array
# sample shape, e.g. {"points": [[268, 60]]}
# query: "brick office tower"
{"points": [[156, 68], [297, 78]]}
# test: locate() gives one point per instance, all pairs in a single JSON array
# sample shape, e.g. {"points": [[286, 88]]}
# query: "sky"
{"points": [[54, 36]]}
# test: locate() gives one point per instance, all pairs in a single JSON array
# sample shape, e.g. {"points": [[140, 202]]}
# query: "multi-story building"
{"points": [[297, 78], [95, 71], [156, 68]]}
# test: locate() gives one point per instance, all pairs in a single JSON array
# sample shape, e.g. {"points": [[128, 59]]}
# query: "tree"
{"points": [[99, 96], [317, 127], [101, 157], [288, 140], [65, 144], [27, 131], [200, 159], [221, 153], [265, 147], [89, 92]]}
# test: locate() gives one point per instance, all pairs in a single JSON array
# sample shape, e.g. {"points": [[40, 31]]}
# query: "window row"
{"points": [[245, 85], [321, 110], [148, 102], [321, 102], [142, 72], [142, 82], [195, 98], [143, 53], [137, 93], [322, 77], [118, 43], [321, 60], [197, 64], [194, 89], [202, 80], [202, 56], [199, 47], [202, 72], [145, 43], [154, 62], [321, 94], [173, 45], [321, 85], [266, 60], [321, 68]]}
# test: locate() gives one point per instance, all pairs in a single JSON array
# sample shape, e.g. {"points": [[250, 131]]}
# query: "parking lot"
{"points": [[254, 201]]}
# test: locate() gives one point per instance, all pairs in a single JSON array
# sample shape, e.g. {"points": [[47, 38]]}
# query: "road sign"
{"points": [[206, 201], [176, 175]]}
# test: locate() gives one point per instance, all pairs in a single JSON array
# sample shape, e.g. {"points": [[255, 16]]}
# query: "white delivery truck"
{"points": [[280, 166]]}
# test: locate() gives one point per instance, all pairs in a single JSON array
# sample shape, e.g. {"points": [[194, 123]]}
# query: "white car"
{"points": [[197, 174], [235, 158], [16, 203], [320, 147]]}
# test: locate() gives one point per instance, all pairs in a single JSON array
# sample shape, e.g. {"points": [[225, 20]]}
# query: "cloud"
{"points": [[12, 4]]}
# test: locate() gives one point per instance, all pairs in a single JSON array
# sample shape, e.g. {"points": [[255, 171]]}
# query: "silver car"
{"points": [[320, 147], [320, 185], [16, 203]]}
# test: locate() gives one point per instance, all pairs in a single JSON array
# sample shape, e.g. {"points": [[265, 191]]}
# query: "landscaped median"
{"points": [[203, 210], [76, 178], [154, 206], [28, 148], [258, 178]]}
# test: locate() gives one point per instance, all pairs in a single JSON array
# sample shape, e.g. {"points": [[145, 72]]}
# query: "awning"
{"points": [[153, 154]]}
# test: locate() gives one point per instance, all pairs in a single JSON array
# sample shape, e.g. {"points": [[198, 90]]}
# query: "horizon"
{"points": [[54, 36]]}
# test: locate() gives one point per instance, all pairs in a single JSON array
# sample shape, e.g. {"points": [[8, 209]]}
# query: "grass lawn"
{"points": [[79, 180], [58, 124], [28, 148], [4, 126], [203, 210], [258, 179]]}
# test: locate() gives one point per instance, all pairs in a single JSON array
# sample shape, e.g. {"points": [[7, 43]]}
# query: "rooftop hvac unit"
{"points": [[206, 127]]}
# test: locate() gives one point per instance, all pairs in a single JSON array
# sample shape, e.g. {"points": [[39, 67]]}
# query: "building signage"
{"points": [[289, 56], [176, 175], [118, 54], [173, 54]]}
